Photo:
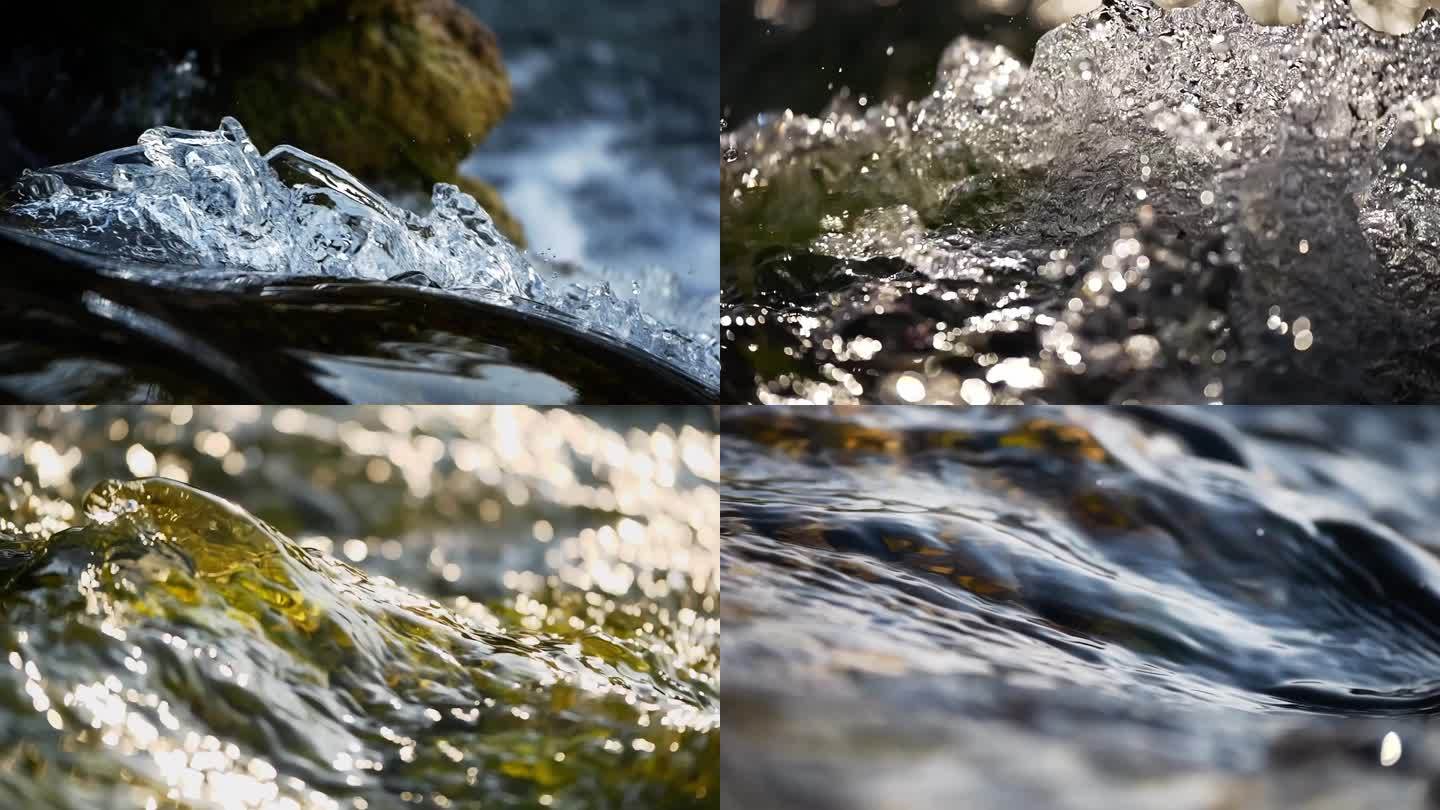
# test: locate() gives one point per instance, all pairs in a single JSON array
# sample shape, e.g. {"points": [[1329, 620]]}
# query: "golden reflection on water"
{"points": [[508, 451], [623, 522]]}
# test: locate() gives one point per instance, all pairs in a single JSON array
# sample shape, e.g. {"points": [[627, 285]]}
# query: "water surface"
{"points": [[1164, 205], [250, 607], [1080, 607]]}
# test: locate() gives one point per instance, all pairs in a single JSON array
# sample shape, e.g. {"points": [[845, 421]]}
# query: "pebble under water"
{"points": [[500, 608], [1165, 205], [1081, 607]]}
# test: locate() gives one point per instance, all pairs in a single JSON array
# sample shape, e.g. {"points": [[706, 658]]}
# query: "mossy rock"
{"points": [[396, 91], [400, 96]]}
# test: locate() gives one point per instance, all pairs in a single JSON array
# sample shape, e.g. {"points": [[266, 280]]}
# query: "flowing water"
{"points": [[250, 607], [1165, 205], [1081, 607], [607, 155], [195, 210]]}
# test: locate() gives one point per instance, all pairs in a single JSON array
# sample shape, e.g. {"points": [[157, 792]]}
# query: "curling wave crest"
{"points": [[200, 207]]}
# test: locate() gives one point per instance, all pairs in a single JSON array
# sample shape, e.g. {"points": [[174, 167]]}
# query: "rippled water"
{"points": [[358, 608], [1165, 205], [1081, 607]]}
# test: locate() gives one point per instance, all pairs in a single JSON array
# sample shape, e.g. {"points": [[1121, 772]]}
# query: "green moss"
{"points": [[399, 97], [170, 597]]}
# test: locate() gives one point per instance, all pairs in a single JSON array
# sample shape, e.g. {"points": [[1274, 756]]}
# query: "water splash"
{"points": [[1177, 204], [200, 207]]}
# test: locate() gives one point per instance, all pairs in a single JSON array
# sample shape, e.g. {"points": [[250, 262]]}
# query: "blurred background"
{"points": [[447, 500], [608, 154], [795, 54]]}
